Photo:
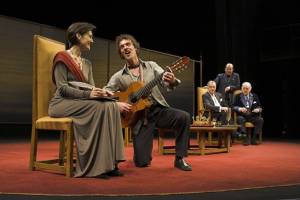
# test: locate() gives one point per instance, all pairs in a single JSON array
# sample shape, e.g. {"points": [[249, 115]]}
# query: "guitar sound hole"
{"points": [[133, 98]]}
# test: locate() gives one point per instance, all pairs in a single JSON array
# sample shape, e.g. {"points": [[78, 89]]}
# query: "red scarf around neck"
{"points": [[64, 57]]}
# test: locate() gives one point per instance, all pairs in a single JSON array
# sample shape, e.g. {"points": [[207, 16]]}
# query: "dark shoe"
{"points": [[253, 142], [115, 172], [243, 136], [236, 135], [138, 164], [142, 165], [103, 176], [239, 135], [246, 142], [181, 164]]}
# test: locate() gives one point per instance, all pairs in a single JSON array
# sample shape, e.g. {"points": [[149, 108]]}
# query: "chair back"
{"points": [[200, 92], [236, 92], [44, 50]]}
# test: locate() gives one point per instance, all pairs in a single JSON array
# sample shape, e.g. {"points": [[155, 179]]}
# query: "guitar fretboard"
{"points": [[178, 65], [146, 89]]}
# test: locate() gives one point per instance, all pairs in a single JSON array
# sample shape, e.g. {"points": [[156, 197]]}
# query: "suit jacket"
{"points": [[222, 81], [209, 103], [240, 101]]}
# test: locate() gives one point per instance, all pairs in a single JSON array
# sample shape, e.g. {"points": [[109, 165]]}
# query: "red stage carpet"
{"points": [[269, 164]]}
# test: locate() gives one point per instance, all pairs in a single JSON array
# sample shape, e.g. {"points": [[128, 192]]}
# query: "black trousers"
{"points": [[219, 116], [228, 96], [255, 119], [161, 117]]}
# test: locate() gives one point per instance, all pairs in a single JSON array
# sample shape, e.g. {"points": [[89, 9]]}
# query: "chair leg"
{"points": [[69, 162], [260, 137], [160, 142], [33, 150], [128, 136], [227, 141], [201, 142], [249, 134], [209, 137], [220, 138], [232, 140], [62, 147]]}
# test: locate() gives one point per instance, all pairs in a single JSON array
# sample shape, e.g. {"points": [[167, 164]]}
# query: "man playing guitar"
{"points": [[158, 114]]}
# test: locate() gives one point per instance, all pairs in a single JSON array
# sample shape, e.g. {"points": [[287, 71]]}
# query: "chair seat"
{"points": [[51, 123], [249, 125]]}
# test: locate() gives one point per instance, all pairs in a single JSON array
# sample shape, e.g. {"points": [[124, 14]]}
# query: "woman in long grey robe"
{"points": [[97, 124]]}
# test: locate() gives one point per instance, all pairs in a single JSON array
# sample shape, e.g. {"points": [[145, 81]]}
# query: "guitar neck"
{"points": [[148, 87], [144, 91]]}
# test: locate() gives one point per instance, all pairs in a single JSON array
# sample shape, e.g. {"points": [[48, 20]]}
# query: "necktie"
{"points": [[215, 101], [247, 102]]}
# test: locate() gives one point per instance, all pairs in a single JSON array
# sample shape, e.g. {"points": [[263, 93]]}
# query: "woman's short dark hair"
{"points": [[121, 37], [80, 28]]}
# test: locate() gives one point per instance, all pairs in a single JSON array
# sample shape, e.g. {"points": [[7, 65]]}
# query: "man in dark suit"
{"points": [[214, 102], [227, 83], [248, 108]]}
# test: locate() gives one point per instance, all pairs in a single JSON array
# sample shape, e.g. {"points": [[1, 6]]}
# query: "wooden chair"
{"points": [[201, 109], [44, 51], [248, 125], [200, 92]]}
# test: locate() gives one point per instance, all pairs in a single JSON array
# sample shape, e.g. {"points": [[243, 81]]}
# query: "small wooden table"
{"points": [[224, 135], [202, 148]]}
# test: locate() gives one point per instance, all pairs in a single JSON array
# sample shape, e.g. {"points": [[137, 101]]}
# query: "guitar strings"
{"points": [[174, 67]]}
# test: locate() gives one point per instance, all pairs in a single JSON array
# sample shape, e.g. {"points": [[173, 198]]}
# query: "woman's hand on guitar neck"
{"points": [[124, 107], [98, 92]]}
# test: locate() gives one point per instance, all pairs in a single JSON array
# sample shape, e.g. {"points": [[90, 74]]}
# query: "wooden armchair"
{"points": [[200, 92], [248, 125], [201, 109], [44, 51]]}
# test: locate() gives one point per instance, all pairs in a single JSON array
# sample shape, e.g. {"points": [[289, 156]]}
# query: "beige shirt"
{"points": [[122, 79]]}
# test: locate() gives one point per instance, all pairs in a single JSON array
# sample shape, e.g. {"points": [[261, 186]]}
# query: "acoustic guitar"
{"points": [[137, 93]]}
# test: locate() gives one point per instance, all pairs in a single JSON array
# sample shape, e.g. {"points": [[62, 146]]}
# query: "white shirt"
{"points": [[216, 102]]}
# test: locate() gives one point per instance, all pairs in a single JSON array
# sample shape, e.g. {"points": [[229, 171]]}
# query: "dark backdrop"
{"points": [[261, 38]]}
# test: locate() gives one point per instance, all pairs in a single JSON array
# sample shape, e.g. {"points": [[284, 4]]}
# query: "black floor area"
{"points": [[271, 193]]}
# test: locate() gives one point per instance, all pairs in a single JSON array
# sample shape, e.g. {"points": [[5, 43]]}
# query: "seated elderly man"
{"points": [[248, 109], [214, 102]]}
